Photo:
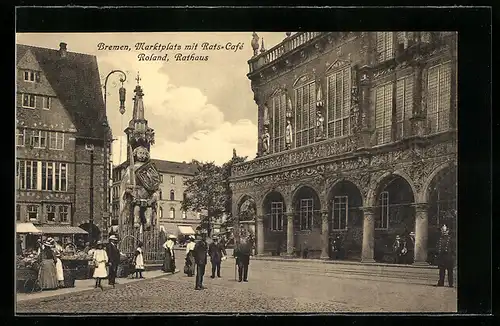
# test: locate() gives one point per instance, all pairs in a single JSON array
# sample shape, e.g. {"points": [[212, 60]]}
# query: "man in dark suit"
{"points": [[113, 259], [242, 254], [445, 258], [200, 259], [216, 251]]}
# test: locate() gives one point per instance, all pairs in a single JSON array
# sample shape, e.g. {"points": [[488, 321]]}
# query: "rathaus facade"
{"points": [[357, 142]]}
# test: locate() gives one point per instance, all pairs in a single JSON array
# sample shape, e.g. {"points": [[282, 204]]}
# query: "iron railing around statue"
{"points": [[152, 241]]}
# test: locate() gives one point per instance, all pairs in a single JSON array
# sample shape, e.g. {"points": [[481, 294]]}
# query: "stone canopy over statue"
{"points": [[140, 184]]}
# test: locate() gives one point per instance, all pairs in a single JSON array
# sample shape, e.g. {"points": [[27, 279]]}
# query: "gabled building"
{"points": [[357, 141], [59, 141]]}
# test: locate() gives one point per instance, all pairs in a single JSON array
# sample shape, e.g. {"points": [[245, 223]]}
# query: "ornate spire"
{"points": [[138, 113], [139, 134]]}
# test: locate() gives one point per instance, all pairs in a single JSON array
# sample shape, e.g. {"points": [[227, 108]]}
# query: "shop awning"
{"points": [[27, 228], [62, 230], [185, 230]]}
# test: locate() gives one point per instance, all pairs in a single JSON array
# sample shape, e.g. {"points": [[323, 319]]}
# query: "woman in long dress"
{"points": [[139, 262], [48, 276], [100, 260], [189, 267], [169, 262], [59, 270]]}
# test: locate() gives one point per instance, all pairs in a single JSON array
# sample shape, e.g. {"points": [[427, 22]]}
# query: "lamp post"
{"points": [[122, 94]]}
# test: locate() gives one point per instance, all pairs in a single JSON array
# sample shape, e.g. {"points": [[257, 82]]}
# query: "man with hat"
{"points": [[242, 253], [445, 258], [113, 259], [216, 252], [396, 249], [410, 246], [200, 258]]}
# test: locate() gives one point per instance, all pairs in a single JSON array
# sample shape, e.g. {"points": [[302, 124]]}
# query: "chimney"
{"points": [[62, 49]]}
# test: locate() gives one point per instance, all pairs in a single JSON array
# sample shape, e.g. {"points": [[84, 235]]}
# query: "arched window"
{"points": [[172, 213], [172, 195], [160, 214], [161, 195], [184, 214], [383, 219]]}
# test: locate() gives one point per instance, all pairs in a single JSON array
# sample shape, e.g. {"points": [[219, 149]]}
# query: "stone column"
{"points": [[289, 233], [421, 233], [368, 235], [260, 234], [324, 236]]}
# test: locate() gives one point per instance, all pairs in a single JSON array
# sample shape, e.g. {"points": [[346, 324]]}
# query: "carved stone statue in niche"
{"points": [[320, 125], [255, 43], [266, 138], [288, 134]]}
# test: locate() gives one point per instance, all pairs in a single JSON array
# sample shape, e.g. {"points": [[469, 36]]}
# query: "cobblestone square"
{"points": [[273, 287]]}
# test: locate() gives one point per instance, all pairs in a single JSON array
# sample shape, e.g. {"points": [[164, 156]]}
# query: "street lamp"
{"points": [[122, 94]]}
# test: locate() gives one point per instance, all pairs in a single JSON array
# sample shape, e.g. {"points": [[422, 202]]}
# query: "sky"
{"points": [[199, 109]]}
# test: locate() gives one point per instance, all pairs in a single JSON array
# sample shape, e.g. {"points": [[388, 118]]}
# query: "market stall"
{"points": [[27, 262]]}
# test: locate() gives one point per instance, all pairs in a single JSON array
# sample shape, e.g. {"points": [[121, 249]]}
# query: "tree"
{"points": [[205, 192], [208, 190]]}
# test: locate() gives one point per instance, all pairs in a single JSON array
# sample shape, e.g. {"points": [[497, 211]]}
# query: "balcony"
{"points": [[289, 44], [312, 152]]}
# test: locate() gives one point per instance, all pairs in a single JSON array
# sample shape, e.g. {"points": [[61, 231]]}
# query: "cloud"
{"points": [[211, 145], [187, 126]]}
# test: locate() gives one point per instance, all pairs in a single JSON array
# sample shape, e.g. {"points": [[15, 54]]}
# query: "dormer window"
{"points": [[31, 76], [29, 101]]}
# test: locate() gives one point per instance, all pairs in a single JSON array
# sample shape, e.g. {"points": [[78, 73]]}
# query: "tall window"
{"points": [[277, 216], [18, 212], [383, 218], [46, 102], [38, 138], [64, 213], [184, 215], [277, 122], [172, 179], [54, 176], [383, 113], [340, 212], [384, 46], [439, 97], [161, 195], [161, 212], [339, 102], [305, 114], [306, 213], [51, 213], [172, 195], [56, 140], [404, 106], [32, 213], [29, 101], [30, 174], [20, 136], [172, 213]]}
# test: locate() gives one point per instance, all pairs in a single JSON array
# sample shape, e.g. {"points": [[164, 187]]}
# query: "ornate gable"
{"points": [[28, 61], [303, 80], [337, 64]]}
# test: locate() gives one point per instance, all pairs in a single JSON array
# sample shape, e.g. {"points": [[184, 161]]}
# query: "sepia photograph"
{"points": [[236, 172]]}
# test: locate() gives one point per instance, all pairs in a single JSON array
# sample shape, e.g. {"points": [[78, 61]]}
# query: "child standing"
{"points": [[100, 259], [139, 261]]}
